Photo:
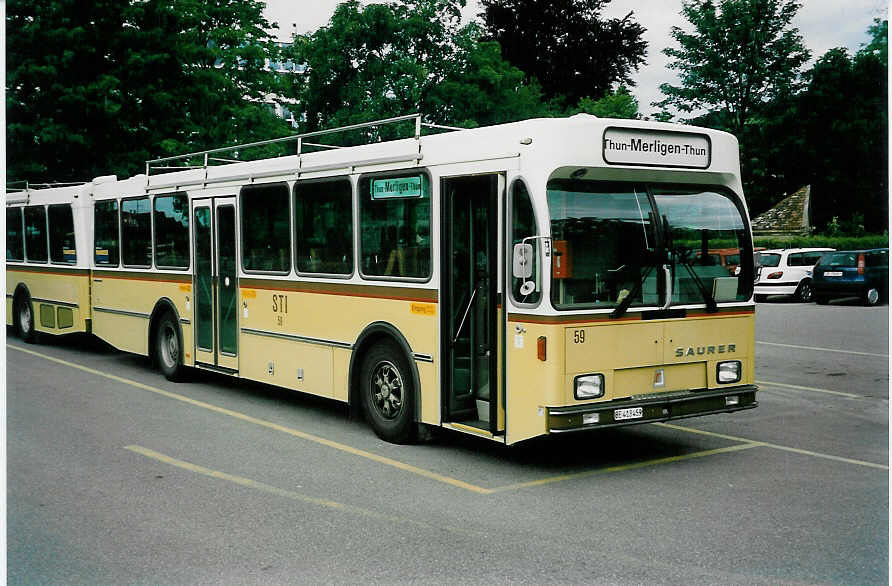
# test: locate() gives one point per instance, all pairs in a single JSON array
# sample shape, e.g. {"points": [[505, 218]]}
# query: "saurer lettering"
{"points": [[681, 352]]}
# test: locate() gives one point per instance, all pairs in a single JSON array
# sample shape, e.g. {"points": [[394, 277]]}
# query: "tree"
{"points": [[843, 116], [385, 60], [831, 135], [96, 88], [63, 88], [566, 45], [618, 104], [740, 55], [222, 47]]}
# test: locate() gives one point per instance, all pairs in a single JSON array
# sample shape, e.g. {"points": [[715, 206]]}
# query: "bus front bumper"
{"points": [[651, 409]]}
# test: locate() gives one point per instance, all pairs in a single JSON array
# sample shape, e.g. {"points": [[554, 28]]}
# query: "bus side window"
{"points": [[266, 229], [136, 232], [105, 233], [15, 235], [172, 231], [323, 229], [395, 231], [35, 233], [62, 243], [523, 225]]}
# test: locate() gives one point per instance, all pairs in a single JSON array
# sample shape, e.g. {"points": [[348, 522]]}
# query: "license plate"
{"points": [[832, 273], [631, 413]]}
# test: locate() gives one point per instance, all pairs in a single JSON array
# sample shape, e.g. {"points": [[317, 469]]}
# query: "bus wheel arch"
{"points": [[165, 328], [374, 336], [23, 323]]}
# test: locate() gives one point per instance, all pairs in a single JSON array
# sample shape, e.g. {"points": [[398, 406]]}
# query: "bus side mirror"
{"points": [[523, 261]]}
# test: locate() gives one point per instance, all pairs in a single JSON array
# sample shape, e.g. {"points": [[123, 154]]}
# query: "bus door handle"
{"points": [[667, 274]]}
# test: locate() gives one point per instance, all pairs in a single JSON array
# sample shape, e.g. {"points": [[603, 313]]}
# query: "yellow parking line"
{"points": [[269, 425], [768, 383], [774, 446], [281, 492], [625, 467]]}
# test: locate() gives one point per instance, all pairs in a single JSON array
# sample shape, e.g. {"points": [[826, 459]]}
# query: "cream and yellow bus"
{"points": [[539, 277]]}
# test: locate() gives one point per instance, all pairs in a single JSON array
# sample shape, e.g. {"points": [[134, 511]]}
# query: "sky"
{"points": [[823, 24]]}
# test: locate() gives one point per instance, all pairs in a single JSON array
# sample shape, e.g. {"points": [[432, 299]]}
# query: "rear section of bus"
{"points": [[632, 320], [47, 261]]}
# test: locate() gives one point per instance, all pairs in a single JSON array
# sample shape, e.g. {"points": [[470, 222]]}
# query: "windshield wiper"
{"points": [[627, 300], [711, 306]]}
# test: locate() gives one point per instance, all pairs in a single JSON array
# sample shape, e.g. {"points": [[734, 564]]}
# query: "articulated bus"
{"points": [[540, 277]]}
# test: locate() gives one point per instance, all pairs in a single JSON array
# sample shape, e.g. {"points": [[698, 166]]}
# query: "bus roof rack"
{"points": [[24, 185], [206, 158]]}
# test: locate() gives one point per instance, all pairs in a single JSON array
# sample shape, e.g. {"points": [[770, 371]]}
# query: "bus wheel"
{"points": [[387, 393], [871, 296], [169, 348], [24, 319]]}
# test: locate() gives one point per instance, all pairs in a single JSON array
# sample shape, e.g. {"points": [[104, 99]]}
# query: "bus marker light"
{"points": [[540, 348], [732, 400], [660, 378], [588, 418]]}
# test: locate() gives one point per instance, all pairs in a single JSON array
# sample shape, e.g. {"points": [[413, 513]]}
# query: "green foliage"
{"points": [[825, 241], [384, 60], [98, 87], [842, 119], [826, 128], [740, 54], [566, 45], [618, 104]]}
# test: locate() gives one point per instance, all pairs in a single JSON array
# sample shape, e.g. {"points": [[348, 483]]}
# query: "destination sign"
{"points": [[633, 146], [398, 187]]}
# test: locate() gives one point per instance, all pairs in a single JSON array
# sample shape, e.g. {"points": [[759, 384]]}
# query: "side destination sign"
{"points": [[398, 187], [633, 146]]}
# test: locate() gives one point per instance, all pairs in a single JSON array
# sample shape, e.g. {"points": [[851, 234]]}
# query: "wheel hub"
{"points": [[25, 317], [387, 385], [169, 346]]}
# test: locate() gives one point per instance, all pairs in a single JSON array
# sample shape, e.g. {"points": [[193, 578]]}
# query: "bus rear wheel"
{"points": [[24, 319], [388, 394], [169, 348]]}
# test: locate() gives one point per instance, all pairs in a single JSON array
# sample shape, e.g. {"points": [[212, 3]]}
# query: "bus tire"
{"points": [[24, 318], [387, 393], [169, 348]]}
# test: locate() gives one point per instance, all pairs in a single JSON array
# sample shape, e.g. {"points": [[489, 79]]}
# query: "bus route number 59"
{"points": [[578, 336]]}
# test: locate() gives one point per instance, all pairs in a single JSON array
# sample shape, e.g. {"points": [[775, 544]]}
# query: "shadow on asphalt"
{"points": [[548, 454]]}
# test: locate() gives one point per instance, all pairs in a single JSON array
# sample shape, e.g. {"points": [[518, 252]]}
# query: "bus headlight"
{"points": [[588, 386], [728, 372]]}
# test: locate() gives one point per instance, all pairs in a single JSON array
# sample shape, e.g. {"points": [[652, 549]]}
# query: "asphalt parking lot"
{"points": [[117, 476]]}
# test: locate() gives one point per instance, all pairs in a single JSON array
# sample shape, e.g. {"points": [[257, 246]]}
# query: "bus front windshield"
{"points": [[611, 242]]}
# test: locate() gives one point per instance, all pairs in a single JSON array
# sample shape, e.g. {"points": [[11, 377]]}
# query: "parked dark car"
{"points": [[852, 273]]}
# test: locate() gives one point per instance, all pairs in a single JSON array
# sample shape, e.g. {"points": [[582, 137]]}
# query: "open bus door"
{"points": [[472, 322]]}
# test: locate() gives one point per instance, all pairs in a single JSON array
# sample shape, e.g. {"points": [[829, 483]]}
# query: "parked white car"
{"points": [[786, 272]]}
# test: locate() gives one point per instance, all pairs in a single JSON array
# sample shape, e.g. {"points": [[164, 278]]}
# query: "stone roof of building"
{"points": [[790, 216]]}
